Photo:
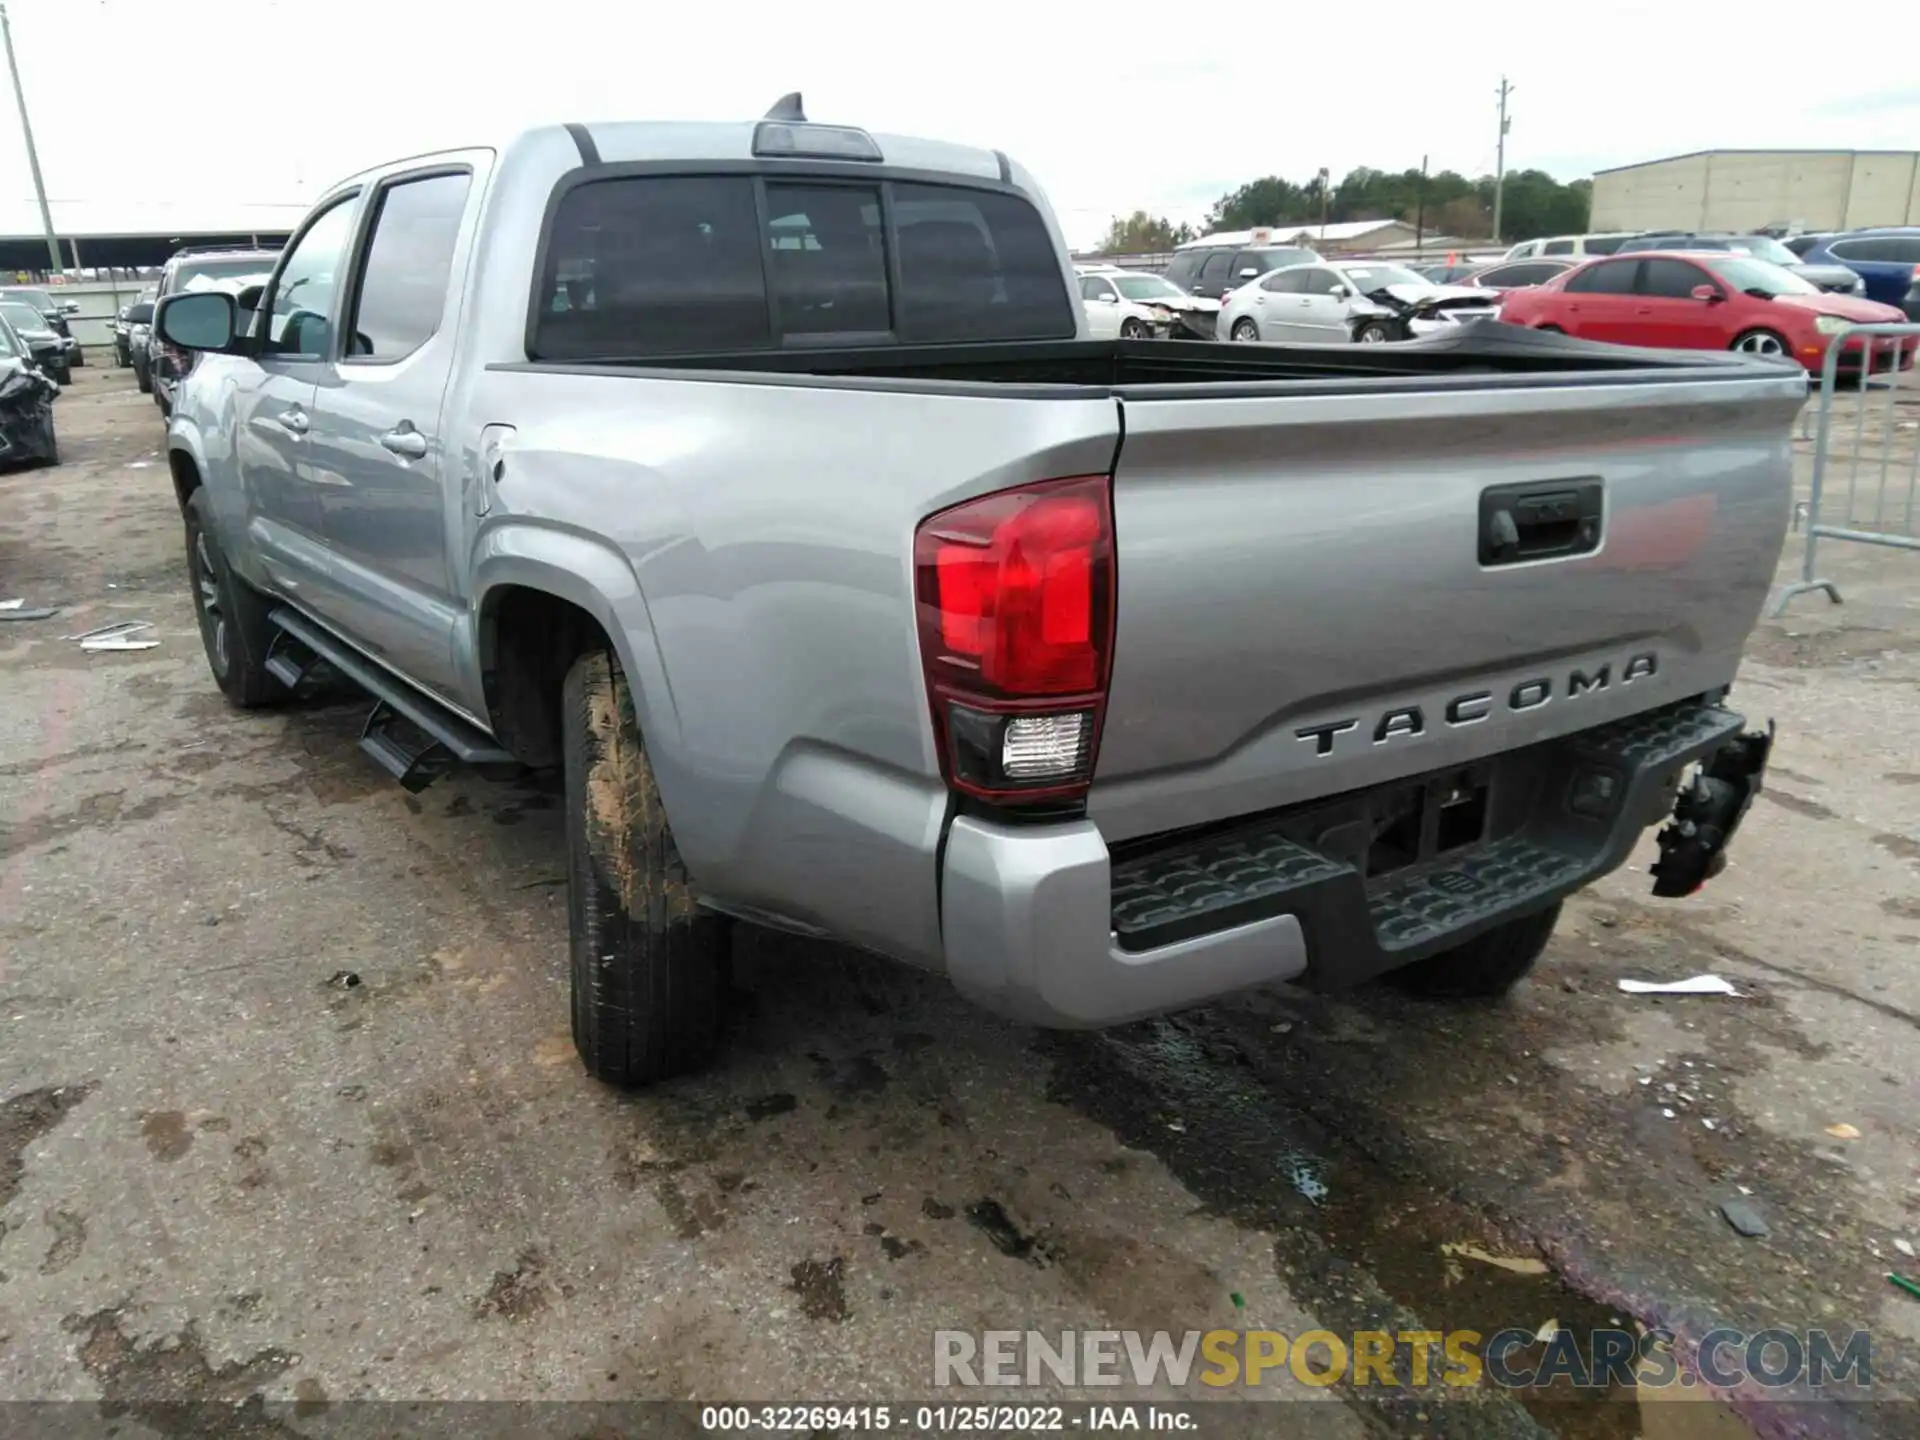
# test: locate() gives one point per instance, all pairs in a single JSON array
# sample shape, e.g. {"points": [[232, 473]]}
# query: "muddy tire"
{"points": [[143, 378], [234, 629], [648, 965], [1486, 966]]}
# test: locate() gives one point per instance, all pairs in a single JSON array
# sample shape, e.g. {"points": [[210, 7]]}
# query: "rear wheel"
{"points": [[648, 964], [143, 378], [1488, 965], [1760, 342], [1245, 330]]}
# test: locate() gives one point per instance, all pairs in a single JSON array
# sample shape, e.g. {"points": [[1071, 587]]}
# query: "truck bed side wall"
{"points": [[768, 533]]}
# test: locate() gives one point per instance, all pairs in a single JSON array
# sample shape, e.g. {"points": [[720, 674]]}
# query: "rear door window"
{"points": [[1670, 279], [1884, 249], [1611, 277], [1217, 270], [1557, 247], [1286, 282], [1184, 267], [1603, 244]]}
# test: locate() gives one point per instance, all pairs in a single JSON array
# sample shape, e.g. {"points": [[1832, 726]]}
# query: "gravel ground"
{"points": [[288, 1106]]}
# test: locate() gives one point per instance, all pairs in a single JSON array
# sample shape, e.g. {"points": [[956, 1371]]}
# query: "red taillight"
{"points": [[1015, 593]]}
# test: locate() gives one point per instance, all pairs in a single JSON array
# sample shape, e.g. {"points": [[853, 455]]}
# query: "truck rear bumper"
{"points": [[1045, 924]]}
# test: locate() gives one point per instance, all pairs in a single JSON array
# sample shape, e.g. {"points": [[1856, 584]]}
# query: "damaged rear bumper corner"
{"points": [[1042, 923]]}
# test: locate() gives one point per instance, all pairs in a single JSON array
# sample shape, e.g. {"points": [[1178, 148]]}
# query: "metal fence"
{"points": [[1866, 450]]}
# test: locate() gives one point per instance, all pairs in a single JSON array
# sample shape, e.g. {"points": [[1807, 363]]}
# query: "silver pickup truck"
{"points": [[762, 478]]}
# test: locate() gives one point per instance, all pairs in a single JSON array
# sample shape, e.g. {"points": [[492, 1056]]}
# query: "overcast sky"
{"points": [[1114, 107]]}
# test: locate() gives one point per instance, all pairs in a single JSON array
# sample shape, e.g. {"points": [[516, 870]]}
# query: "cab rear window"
{"points": [[637, 267]]}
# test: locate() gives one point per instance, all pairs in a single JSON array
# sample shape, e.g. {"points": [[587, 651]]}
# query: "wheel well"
{"points": [[186, 475], [529, 639]]}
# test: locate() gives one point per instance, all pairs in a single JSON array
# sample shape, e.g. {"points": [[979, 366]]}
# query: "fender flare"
{"points": [[586, 572]]}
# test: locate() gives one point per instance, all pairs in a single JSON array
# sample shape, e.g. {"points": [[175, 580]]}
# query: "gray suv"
{"points": [[226, 267], [1211, 267]]}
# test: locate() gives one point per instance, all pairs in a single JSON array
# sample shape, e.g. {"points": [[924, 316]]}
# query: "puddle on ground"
{"points": [[1352, 1239]]}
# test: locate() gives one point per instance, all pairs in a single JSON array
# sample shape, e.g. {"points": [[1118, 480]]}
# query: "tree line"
{"points": [[1534, 203]]}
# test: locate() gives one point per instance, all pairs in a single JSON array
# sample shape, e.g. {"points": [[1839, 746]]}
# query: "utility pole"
{"points": [[1500, 156], [1420, 210], [33, 156], [1323, 177]]}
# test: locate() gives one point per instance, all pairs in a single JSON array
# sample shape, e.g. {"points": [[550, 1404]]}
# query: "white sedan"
{"points": [[1338, 302], [1132, 305]]}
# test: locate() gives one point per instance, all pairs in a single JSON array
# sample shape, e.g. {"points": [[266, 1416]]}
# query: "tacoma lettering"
{"points": [[1478, 705]]}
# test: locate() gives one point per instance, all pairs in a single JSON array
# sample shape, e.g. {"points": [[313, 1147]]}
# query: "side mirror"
{"points": [[1110, 298], [1249, 274], [1340, 292], [202, 320], [1708, 293]]}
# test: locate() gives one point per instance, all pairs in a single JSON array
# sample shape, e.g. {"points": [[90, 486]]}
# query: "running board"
{"points": [[408, 735], [290, 662]]}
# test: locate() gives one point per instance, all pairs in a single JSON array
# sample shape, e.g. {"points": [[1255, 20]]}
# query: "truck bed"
{"points": [[1479, 357]]}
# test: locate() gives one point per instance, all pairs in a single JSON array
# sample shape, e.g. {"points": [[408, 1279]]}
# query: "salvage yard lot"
{"points": [[288, 1103]]}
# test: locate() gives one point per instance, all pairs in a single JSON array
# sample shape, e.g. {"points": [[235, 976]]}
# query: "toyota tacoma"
{"points": [[762, 480]]}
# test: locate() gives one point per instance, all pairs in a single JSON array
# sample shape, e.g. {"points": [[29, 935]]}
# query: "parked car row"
{"points": [[1334, 302], [1705, 300], [1886, 260], [1881, 264], [229, 268], [27, 393], [1131, 305]]}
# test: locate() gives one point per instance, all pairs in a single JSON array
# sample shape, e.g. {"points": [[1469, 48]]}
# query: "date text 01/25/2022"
{"points": [[946, 1419]]}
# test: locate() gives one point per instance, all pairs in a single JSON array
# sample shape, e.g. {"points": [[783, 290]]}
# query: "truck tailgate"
{"points": [[1307, 604]]}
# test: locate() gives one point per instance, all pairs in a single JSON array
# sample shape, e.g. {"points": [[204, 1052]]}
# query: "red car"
{"points": [[1703, 301]]}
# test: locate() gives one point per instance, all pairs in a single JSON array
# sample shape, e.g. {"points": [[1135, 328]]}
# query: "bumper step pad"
{"points": [[1358, 928]]}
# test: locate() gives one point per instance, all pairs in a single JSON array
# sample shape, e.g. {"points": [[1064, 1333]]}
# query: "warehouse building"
{"points": [[1755, 189]]}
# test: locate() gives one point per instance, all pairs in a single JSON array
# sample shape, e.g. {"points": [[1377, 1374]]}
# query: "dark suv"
{"points": [[1211, 266], [1835, 279], [224, 268], [54, 312]]}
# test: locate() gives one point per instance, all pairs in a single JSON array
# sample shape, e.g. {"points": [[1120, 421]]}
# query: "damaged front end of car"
{"points": [[1412, 315], [26, 415], [1192, 318]]}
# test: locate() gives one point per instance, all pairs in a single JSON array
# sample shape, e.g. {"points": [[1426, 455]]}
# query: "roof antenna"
{"points": [[787, 108]]}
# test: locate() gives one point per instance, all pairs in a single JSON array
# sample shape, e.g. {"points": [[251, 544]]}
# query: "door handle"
{"points": [[294, 420], [405, 441]]}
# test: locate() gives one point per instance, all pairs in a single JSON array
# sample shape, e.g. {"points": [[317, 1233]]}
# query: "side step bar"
{"points": [[407, 734]]}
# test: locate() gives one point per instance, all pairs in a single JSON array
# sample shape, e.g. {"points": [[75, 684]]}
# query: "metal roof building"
{"points": [[128, 233], [1752, 189]]}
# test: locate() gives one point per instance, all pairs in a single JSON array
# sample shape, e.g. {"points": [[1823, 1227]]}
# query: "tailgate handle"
{"points": [[1540, 520]]}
